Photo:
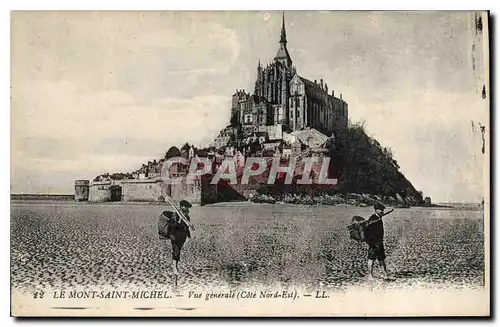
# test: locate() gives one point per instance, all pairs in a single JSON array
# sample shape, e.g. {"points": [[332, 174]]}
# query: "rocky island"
{"points": [[288, 117]]}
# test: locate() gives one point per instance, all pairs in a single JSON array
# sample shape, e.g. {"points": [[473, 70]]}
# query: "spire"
{"points": [[283, 30], [283, 56]]}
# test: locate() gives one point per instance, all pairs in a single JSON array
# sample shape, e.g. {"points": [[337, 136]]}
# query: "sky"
{"points": [[95, 92]]}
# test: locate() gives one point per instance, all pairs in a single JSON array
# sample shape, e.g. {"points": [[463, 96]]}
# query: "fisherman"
{"points": [[176, 230], [374, 237]]}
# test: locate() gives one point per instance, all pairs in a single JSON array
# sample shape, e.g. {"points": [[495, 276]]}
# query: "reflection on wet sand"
{"points": [[68, 245]]}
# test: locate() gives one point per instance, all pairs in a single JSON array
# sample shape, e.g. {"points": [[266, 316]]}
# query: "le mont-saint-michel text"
{"points": [[161, 294]]}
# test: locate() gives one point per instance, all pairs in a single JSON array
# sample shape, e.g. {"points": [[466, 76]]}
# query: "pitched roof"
{"points": [[283, 53], [310, 137], [309, 83]]}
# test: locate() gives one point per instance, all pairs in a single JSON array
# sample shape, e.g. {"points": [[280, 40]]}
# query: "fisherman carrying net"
{"points": [[174, 226], [371, 231]]}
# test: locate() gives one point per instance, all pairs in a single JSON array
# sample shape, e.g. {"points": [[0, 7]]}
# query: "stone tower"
{"points": [[273, 81], [82, 190]]}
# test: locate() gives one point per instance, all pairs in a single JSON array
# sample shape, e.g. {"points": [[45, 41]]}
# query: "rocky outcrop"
{"points": [[366, 173], [367, 168]]}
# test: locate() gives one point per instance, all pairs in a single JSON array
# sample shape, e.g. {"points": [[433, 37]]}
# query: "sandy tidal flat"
{"points": [[75, 245]]}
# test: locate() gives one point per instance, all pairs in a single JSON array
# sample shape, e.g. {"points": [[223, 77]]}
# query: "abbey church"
{"points": [[287, 117], [284, 99]]}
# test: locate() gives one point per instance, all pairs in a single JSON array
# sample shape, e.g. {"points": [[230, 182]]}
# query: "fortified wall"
{"points": [[137, 190], [152, 190], [141, 190], [105, 191]]}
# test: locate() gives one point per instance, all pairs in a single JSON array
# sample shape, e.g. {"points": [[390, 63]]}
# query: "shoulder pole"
{"points": [[177, 210]]}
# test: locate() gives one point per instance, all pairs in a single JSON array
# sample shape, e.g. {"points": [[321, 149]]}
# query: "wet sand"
{"points": [[70, 245]]}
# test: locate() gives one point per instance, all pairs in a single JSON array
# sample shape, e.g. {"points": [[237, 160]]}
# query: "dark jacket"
{"points": [[169, 225], [374, 232]]}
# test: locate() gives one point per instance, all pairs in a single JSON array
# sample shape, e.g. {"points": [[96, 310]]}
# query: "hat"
{"points": [[185, 203], [379, 206]]}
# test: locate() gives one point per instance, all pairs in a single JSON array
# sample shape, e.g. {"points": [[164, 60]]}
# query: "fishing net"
{"points": [[356, 229]]}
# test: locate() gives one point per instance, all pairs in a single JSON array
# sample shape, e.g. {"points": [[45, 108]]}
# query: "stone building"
{"points": [[240, 96], [273, 81], [154, 169], [82, 190], [310, 105], [100, 191], [256, 114], [282, 97], [224, 137], [311, 138], [105, 191]]}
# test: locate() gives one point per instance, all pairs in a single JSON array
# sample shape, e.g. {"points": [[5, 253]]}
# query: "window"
{"points": [[291, 113], [298, 114], [248, 118]]}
